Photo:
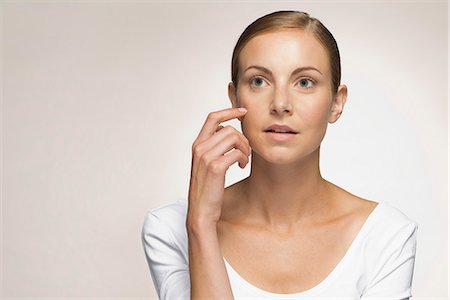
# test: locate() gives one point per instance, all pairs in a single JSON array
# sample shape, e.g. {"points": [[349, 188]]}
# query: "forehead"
{"points": [[285, 50]]}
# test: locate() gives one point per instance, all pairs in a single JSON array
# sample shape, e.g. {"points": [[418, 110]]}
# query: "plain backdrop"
{"points": [[101, 102]]}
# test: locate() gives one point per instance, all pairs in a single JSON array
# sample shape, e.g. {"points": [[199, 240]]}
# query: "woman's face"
{"points": [[278, 94]]}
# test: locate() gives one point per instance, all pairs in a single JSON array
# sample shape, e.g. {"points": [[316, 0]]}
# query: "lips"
{"points": [[280, 128]]}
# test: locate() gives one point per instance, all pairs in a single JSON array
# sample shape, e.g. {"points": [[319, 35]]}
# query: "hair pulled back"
{"points": [[285, 19]]}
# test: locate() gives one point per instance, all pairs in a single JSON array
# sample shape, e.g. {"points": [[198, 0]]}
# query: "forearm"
{"points": [[208, 274]]}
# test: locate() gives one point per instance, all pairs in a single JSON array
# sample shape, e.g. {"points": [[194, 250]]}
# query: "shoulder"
{"points": [[383, 218], [389, 253], [171, 211], [165, 245], [390, 219], [390, 230], [168, 220], [381, 215]]}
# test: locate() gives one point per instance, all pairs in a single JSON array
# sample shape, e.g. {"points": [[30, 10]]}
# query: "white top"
{"points": [[378, 264]]}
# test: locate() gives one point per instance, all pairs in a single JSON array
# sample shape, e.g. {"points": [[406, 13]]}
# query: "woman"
{"points": [[284, 232]]}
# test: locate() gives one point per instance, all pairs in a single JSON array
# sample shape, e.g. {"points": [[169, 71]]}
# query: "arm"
{"points": [[393, 273], [211, 158], [208, 274], [168, 267]]}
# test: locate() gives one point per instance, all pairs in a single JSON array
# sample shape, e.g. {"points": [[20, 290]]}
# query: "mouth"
{"points": [[280, 128], [280, 136], [280, 132]]}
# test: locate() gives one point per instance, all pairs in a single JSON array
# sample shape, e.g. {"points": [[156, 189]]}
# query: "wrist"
{"points": [[200, 226]]}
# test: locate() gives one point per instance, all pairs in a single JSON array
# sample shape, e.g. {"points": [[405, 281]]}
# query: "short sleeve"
{"points": [[168, 267], [393, 272]]}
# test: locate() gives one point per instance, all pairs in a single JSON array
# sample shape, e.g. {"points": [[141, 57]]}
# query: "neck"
{"points": [[281, 196]]}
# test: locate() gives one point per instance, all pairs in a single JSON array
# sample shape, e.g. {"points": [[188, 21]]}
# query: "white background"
{"points": [[101, 102]]}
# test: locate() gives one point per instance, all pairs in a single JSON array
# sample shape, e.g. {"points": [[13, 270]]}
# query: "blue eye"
{"points": [[305, 81], [258, 80]]}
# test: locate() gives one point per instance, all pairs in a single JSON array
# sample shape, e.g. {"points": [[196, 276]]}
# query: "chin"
{"points": [[280, 156]]}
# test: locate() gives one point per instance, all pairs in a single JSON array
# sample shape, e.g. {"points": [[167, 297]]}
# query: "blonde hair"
{"points": [[290, 19]]}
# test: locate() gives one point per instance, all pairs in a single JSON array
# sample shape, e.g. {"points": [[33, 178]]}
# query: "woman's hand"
{"points": [[209, 165]]}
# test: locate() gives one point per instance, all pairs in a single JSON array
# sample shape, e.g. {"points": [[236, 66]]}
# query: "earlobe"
{"points": [[338, 103]]}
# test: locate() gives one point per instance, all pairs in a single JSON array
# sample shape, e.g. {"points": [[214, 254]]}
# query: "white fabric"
{"points": [[378, 265]]}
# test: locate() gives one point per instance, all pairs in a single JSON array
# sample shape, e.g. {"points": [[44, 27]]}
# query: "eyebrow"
{"points": [[298, 70]]}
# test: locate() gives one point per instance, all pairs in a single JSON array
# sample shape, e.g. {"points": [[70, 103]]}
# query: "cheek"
{"points": [[255, 108], [312, 109], [252, 126], [315, 112], [249, 121]]}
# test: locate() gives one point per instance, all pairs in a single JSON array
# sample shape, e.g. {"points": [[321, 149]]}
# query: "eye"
{"points": [[258, 80], [304, 83]]}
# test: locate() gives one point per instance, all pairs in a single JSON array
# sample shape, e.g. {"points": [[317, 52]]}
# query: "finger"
{"points": [[232, 138], [214, 119], [222, 146], [223, 163], [223, 149]]}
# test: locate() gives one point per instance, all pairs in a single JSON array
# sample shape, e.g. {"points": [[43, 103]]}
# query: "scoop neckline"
{"points": [[321, 285]]}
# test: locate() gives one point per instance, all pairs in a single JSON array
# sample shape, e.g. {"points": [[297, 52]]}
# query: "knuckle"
{"points": [[197, 150], [236, 154], [243, 156], [235, 138], [216, 167], [206, 158], [213, 115], [229, 128]]}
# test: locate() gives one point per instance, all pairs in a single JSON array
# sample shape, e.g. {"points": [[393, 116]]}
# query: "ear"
{"points": [[232, 94], [337, 106]]}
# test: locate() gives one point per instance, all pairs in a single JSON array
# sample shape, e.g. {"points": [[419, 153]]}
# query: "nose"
{"points": [[280, 103]]}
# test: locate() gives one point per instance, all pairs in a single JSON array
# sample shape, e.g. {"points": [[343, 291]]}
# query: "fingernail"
{"points": [[242, 109]]}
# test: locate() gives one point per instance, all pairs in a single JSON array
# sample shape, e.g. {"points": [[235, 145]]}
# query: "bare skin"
{"points": [[284, 228], [208, 276], [292, 261]]}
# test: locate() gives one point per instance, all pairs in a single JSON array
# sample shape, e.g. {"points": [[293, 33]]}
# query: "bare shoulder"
{"points": [[302, 261], [354, 209], [351, 198]]}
